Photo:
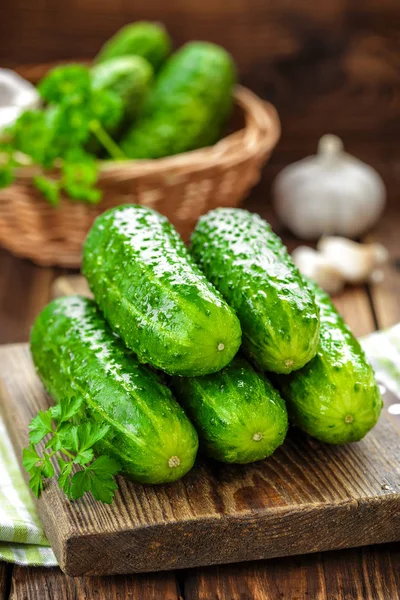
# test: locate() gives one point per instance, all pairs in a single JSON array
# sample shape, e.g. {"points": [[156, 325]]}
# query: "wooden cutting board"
{"points": [[306, 498]]}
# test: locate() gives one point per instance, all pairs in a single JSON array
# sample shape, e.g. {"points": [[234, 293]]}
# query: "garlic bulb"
{"points": [[16, 96], [329, 193], [315, 266], [355, 262]]}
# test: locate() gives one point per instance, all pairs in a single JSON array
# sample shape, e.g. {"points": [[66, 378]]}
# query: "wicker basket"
{"points": [[182, 187]]}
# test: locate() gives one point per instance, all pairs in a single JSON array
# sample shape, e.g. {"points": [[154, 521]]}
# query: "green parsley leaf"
{"points": [[47, 467], [30, 458], [69, 83], [90, 433], [80, 173], [36, 481], [103, 484], [81, 483], [71, 444], [66, 409], [105, 465], [79, 168], [84, 457], [69, 438], [97, 478], [55, 442], [49, 188], [32, 135], [107, 108], [70, 128], [40, 426], [103, 489], [6, 175], [64, 480]]}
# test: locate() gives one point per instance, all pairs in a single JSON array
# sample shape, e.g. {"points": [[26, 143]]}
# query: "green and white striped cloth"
{"points": [[22, 540], [383, 351]]}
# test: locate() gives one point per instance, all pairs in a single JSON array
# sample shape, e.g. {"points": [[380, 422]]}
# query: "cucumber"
{"points": [[239, 416], [252, 269], [75, 352], [130, 77], [154, 296], [334, 398], [187, 107], [149, 40]]}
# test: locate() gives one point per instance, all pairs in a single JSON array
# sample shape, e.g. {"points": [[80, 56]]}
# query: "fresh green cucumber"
{"points": [[130, 77], [155, 297], [149, 40], [334, 398], [238, 414], [75, 353], [188, 106], [252, 269]]}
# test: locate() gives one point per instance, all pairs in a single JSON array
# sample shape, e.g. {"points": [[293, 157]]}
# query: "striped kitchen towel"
{"points": [[22, 540], [383, 351]]}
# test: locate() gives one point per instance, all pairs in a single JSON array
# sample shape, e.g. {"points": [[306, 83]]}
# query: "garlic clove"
{"points": [[376, 276], [315, 266], [381, 254], [16, 96], [354, 261]]}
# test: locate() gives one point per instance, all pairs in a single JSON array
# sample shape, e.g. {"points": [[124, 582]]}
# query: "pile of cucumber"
{"points": [[219, 342], [171, 105]]}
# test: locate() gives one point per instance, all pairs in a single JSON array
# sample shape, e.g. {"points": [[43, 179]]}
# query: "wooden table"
{"points": [[371, 573]]}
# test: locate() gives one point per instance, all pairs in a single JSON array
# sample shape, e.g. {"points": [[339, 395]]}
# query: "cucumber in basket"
{"points": [[187, 107], [239, 416], [75, 353], [154, 296], [334, 398], [130, 77], [252, 269], [149, 40]]}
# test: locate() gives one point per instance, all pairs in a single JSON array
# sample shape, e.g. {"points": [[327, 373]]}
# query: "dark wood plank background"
{"points": [[330, 65]]}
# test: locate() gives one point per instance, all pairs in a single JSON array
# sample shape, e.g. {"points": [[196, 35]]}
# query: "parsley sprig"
{"points": [[56, 139], [72, 446]]}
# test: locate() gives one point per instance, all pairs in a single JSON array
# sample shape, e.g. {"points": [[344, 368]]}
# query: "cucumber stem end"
{"points": [[174, 462]]}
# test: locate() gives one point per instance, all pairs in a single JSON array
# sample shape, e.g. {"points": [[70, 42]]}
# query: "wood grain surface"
{"points": [[307, 497], [4, 581], [346, 575], [386, 295], [52, 584]]}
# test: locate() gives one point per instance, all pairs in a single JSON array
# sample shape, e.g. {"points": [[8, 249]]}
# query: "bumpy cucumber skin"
{"points": [[130, 77], [155, 297], [238, 414], [252, 269], [188, 106], [334, 398], [75, 353], [149, 40]]}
